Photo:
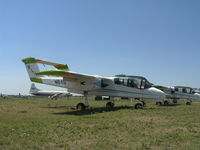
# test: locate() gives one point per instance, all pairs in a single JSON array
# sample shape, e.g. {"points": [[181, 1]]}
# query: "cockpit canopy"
{"points": [[132, 81], [184, 89]]}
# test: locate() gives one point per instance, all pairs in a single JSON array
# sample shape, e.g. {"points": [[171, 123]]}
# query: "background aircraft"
{"points": [[50, 94], [118, 86], [179, 92]]}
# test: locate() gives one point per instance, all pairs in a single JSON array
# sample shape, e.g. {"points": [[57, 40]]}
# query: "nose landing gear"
{"points": [[110, 104]]}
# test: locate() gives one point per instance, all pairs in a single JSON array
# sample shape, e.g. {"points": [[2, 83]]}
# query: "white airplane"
{"points": [[118, 86], [50, 94], [179, 92], [197, 90]]}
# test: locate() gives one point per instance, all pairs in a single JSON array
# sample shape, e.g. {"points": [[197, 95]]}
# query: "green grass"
{"points": [[46, 124]]}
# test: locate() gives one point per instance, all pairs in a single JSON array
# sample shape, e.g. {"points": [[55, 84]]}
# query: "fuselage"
{"points": [[109, 86]]}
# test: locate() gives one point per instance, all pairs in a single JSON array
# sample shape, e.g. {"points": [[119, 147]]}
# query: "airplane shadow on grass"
{"points": [[96, 110], [57, 107], [169, 105], [92, 111]]}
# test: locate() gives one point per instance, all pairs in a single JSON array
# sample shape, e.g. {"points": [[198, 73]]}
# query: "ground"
{"points": [[46, 124]]}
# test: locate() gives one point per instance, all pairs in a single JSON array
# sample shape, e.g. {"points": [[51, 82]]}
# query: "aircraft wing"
{"points": [[56, 65], [67, 75]]}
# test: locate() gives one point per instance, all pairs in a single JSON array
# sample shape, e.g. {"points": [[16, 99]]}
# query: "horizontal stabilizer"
{"points": [[61, 73], [67, 75], [58, 66]]}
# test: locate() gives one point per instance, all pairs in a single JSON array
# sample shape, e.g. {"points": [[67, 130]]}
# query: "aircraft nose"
{"points": [[197, 96], [158, 93]]}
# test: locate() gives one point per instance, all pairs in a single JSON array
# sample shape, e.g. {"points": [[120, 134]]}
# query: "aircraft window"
{"points": [[147, 85], [130, 83], [193, 92], [188, 90], [116, 80], [134, 82], [121, 81], [180, 89], [142, 84], [184, 90], [137, 83], [125, 82]]}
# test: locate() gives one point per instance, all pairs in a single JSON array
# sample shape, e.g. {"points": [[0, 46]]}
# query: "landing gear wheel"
{"points": [[159, 103], [188, 103], [138, 106], [166, 103], [80, 106], [174, 101], [110, 104]]}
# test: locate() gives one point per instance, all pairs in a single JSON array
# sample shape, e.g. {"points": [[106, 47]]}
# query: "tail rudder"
{"points": [[31, 66]]}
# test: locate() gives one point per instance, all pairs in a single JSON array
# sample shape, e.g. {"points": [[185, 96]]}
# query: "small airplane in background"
{"points": [[176, 93], [50, 94], [3, 96], [136, 87]]}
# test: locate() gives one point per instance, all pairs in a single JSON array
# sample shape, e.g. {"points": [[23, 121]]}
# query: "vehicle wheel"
{"points": [[159, 103], [110, 104], [138, 106], [188, 103], [80, 106], [174, 101], [166, 103]]}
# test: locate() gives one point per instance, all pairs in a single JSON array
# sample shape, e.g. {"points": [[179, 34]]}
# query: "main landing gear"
{"points": [[189, 103], [110, 104], [83, 106], [80, 106], [140, 105]]}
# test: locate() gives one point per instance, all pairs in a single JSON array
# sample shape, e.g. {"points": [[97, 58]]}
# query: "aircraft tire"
{"points": [[166, 103], [80, 106], [188, 103], [159, 103], [138, 106], [110, 104]]}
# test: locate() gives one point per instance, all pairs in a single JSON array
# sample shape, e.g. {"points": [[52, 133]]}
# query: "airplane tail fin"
{"points": [[32, 68], [33, 89]]}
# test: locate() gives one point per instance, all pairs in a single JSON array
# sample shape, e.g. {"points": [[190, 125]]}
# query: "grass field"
{"points": [[44, 124]]}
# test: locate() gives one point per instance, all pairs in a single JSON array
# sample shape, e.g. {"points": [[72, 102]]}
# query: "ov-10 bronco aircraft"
{"points": [[176, 93], [135, 87]]}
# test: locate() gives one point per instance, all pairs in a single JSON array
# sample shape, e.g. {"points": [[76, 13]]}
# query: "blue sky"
{"points": [[157, 39]]}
